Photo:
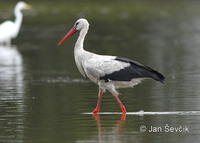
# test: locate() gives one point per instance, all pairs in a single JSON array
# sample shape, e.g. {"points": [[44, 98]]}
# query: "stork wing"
{"points": [[136, 70], [119, 69], [98, 66]]}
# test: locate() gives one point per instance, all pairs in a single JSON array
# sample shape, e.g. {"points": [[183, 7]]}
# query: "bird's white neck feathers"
{"points": [[81, 38], [80, 54], [18, 15]]}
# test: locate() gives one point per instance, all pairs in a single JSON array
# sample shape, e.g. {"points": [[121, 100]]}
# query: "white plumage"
{"points": [[10, 29], [108, 72], [10, 56]]}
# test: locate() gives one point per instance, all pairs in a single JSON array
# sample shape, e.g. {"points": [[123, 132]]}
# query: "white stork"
{"points": [[108, 72]]}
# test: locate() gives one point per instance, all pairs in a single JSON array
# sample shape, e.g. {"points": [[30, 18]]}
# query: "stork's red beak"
{"points": [[69, 34]]}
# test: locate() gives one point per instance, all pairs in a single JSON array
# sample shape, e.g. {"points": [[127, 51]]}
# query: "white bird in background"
{"points": [[109, 72], [9, 29]]}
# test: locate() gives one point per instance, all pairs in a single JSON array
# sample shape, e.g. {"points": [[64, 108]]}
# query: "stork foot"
{"points": [[123, 109], [120, 103], [96, 110]]}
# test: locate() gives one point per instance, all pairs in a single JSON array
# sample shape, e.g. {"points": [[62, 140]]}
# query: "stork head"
{"points": [[80, 25]]}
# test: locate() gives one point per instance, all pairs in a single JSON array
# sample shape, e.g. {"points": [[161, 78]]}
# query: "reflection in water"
{"points": [[9, 56], [115, 134], [11, 93]]}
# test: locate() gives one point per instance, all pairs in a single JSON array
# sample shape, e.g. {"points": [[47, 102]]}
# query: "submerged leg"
{"points": [[96, 110], [120, 104]]}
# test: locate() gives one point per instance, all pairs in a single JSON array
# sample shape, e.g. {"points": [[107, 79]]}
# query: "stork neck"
{"points": [[80, 40]]}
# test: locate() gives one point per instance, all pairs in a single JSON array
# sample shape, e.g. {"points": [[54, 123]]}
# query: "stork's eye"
{"points": [[77, 24]]}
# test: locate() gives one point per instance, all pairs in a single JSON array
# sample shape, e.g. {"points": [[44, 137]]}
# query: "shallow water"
{"points": [[44, 98]]}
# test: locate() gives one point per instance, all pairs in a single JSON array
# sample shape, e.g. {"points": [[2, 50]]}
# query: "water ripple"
{"points": [[141, 113], [64, 80]]}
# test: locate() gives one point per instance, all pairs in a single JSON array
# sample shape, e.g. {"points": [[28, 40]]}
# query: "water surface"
{"points": [[43, 97]]}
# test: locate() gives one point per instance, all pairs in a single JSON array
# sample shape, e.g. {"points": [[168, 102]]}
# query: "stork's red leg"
{"points": [[120, 103], [96, 110]]}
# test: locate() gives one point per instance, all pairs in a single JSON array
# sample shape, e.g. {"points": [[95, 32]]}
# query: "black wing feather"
{"points": [[135, 70]]}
